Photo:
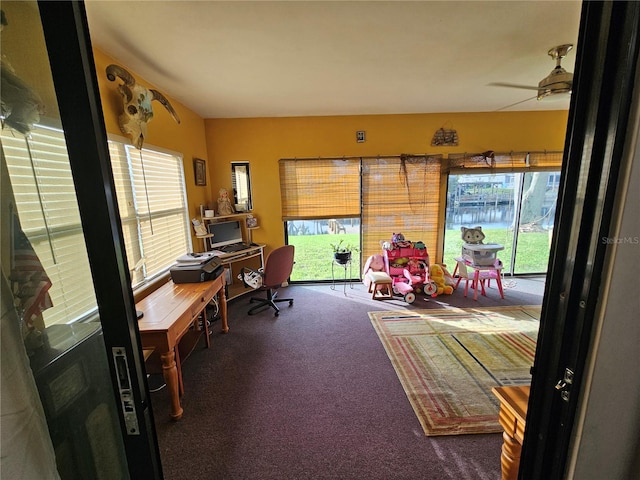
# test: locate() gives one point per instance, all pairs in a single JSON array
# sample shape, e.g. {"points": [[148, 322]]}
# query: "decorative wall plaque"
{"points": [[445, 138]]}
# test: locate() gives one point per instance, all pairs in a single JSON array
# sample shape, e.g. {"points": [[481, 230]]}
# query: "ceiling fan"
{"points": [[556, 85]]}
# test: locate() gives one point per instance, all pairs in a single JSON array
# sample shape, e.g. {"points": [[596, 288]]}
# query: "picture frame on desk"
{"points": [[200, 172]]}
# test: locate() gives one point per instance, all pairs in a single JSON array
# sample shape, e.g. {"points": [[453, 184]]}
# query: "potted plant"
{"points": [[342, 251]]}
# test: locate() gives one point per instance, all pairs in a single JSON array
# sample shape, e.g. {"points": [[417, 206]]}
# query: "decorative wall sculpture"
{"points": [[137, 105]]}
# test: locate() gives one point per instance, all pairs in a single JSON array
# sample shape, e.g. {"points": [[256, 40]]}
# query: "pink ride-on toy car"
{"points": [[408, 268]]}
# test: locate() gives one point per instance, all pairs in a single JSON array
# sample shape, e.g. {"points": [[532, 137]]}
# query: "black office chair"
{"points": [[277, 270]]}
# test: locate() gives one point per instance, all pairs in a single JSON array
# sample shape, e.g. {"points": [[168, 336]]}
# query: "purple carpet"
{"points": [[311, 394]]}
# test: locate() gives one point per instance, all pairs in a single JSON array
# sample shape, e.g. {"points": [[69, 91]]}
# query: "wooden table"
{"points": [[171, 314], [513, 415], [482, 273]]}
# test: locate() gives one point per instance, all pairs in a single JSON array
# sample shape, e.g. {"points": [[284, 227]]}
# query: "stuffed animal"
{"points": [[398, 241], [472, 235], [400, 262], [375, 263], [438, 276], [397, 238], [419, 245]]}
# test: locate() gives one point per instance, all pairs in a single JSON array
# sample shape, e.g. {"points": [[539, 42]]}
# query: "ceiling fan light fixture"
{"points": [[554, 87], [558, 84], [554, 95]]}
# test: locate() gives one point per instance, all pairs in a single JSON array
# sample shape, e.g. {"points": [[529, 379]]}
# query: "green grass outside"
{"points": [[314, 255], [533, 248]]}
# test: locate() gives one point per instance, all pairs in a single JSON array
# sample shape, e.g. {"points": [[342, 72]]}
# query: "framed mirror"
{"points": [[241, 183]]}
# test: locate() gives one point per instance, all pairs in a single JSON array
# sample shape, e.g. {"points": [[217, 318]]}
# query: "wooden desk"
{"points": [[513, 415], [252, 257], [169, 312]]}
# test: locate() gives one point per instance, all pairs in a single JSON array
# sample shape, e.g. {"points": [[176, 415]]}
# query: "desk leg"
{"points": [[170, 374], [222, 299], [510, 458]]}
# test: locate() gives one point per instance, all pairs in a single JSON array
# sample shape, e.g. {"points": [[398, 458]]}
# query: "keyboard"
{"points": [[234, 247]]}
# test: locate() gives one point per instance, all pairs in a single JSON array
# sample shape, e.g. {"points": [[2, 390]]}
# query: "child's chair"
{"points": [[376, 277], [495, 273], [463, 273]]}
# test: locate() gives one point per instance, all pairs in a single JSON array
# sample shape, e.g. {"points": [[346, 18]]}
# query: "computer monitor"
{"points": [[225, 233]]}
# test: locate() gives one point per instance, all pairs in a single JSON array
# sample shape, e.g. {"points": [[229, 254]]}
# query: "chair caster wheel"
{"points": [[277, 314], [291, 303]]}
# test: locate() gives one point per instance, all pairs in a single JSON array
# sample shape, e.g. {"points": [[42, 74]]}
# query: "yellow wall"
{"points": [[187, 138], [263, 141]]}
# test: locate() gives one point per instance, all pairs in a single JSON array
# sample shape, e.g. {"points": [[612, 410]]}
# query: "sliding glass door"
{"points": [[315, 240], [74, 398], [515, 210], [532, 237]]}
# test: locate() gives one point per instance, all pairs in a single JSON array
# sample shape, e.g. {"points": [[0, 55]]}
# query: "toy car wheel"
{"points": [[430, 288], [410, 297]]}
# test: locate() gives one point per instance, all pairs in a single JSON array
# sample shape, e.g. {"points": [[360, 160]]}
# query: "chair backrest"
{"points": [[462, 269], [278, 266]]}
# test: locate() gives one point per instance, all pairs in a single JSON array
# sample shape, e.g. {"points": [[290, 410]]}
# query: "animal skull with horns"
{"points": [[137, 105]]}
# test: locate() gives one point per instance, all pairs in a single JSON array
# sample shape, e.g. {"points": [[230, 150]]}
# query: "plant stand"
{"points": [[344, 267]]}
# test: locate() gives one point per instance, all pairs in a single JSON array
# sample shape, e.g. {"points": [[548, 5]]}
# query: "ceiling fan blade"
{"points": [[517, 103], [513, 85]]}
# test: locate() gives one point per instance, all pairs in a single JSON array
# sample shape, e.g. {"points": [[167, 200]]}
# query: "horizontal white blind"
{"points": [[152, 202], [48, 211], [152, 206]]}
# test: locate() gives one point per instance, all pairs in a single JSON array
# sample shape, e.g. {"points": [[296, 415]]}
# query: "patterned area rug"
{"points": [[448, 360]]}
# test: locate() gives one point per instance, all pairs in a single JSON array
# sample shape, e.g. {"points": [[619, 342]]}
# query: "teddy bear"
{"points": [[437, 273]]}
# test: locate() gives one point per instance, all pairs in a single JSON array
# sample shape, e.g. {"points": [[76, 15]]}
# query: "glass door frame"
{"points": [[71, 58], [518, 189]]}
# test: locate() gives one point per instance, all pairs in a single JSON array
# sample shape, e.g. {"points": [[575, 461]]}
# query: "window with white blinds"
{"points": [[152, 200], [153, 208], [45, 198]]}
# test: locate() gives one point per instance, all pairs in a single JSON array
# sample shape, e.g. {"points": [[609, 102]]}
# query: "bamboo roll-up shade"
{"points": [[546, 159], [320, 188], [503, 160], [400, 195]]}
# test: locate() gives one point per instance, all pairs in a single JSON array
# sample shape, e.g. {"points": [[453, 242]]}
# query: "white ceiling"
{"points": [[229, 59]]}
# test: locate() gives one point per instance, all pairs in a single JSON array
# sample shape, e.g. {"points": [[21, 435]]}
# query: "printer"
{"points": [[194, 268]]}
